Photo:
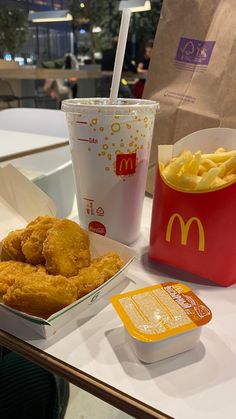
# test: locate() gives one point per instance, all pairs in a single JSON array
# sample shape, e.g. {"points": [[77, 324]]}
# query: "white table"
{"points": [[14, 144], [200, 383]]}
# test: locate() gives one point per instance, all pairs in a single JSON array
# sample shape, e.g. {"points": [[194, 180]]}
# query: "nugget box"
{"points": [[195, 231], [20, 202]]}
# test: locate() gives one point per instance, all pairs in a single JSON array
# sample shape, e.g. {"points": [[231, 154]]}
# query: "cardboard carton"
{"points": [[195, 231], [20, 202]]}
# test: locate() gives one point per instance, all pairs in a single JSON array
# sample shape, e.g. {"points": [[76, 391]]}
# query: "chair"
{"points": [[6, 93], [51, 171], [8, 96]]}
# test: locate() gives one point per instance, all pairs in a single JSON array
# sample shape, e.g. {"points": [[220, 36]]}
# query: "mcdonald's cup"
{"points": [[110, 146]]}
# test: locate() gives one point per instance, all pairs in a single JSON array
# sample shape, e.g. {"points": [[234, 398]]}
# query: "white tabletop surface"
{"points": [[200, 383], [15, 144]]}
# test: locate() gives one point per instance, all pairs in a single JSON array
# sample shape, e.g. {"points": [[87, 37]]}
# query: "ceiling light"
{"points": [[135, 5], [49, 16], [96, 29]]}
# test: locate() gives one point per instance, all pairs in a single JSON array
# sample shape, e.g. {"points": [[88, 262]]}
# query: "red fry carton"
{"points": [[196, 231]]}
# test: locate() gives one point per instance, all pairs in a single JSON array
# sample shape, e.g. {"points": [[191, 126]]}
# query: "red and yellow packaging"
{"points": [[196, 231]]}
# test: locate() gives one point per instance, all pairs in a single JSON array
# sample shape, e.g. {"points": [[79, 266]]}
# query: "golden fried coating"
{"points": [[33, 238], [108, 264], [40, 294], [100, 270], [66, 249], [11, 270], [11, 247]]}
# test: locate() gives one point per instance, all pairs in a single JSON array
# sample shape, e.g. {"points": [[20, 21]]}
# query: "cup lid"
{"points": [[104, 105]]}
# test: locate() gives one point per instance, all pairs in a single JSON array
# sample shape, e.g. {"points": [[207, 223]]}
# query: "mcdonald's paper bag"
{"points": [[196, 231], [192, 70]]}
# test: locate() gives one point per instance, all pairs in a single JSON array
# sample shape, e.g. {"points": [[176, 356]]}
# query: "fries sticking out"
{"points": [[200, 172]]}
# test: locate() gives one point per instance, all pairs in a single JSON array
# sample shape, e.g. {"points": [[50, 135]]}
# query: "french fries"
{"points": [[200, 172]]}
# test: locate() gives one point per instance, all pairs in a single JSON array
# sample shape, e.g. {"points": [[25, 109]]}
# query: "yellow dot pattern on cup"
{"points": [[132, 139], [115, 127]]}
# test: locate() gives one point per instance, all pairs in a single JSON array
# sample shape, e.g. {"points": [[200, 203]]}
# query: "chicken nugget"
{"points": [[12, 270], [108, 264], [100, 270], [11, 246], [66, 249], [33, 238], [87, 280], [40, 294]]}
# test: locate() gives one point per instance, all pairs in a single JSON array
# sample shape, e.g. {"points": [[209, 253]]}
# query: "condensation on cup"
{"points": [[110, 147]]}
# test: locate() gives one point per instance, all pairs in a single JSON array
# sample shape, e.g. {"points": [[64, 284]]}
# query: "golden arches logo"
{"points": [[125, 164], [184, 227]]}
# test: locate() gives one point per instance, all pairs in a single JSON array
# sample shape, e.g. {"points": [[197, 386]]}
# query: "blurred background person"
{"points": [[107, 64], [70, 62], [142, 69], [29, 391]]}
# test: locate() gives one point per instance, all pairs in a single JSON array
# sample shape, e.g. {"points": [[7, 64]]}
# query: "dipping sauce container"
{"points": [[161, 320]]}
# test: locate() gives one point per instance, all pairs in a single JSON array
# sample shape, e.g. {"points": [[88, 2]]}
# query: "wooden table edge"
{"points": [[81, 379], [19, 154]]}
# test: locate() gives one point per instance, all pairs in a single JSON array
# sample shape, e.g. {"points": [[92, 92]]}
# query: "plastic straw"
{"points": [[120, 53]]}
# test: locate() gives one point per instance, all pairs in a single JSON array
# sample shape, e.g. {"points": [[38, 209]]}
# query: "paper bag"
{"points": [[195, 231], [191, 70]]}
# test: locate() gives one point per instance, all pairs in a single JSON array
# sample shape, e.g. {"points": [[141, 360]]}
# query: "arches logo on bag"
{"points": [[185, 228], [125, 164]]}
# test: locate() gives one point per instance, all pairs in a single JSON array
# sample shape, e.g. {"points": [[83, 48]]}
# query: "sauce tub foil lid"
{"points": [[160, 311]]}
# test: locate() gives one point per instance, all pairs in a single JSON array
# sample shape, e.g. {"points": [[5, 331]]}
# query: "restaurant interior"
{"points": [[117, 224]]}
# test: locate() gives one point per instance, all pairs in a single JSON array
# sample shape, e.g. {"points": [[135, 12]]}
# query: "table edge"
{"points": [[33, 151]]}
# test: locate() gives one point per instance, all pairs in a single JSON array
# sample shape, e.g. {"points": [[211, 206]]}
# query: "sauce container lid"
{"points": [[161, 311]]}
